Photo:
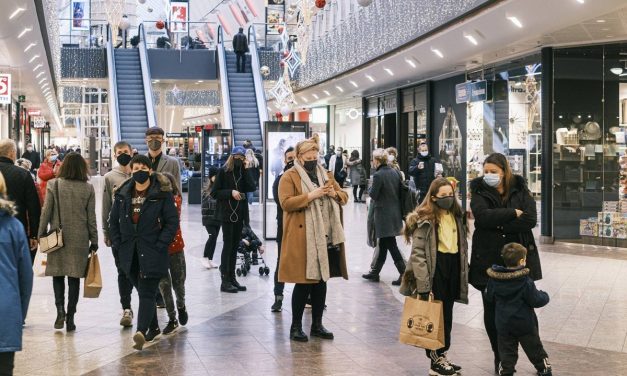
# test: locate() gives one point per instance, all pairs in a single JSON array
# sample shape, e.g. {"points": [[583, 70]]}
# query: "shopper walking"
{"points": [[33, 157], [71, 205], [388, 219], [143, 223], [232, 183], [16, 281], [288, 159], [240, 46], [253, 165], [48, 169], [312, 247], [422, 170], [112, 181], [357, 174], [505, 212], [438, 261], [26, 165], [337, 166], [211, 221], [161, 162], [175, 280], [21, 190]]}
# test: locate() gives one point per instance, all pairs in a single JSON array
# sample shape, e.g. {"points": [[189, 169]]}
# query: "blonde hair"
{"points": [[3, 186], [254, 161], [7, 146], [380, 155], [307, 145]]}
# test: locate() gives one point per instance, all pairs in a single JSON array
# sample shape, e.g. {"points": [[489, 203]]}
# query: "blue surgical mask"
{"points": [[53, 158], [492, 180]]}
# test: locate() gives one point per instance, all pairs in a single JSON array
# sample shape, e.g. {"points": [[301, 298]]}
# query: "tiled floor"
{"points": [[584, 327]]}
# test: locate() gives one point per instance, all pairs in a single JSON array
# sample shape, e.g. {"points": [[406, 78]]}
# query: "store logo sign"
{"points": [[471, 92], [5, 88]]}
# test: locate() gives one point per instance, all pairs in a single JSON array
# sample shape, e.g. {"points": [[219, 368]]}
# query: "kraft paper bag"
{"points": [[422, 324], [93, 280], [39, 265]]}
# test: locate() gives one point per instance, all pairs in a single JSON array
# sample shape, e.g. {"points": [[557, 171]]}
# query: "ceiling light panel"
{"points": [[26, 30], [513, 19], [353, 83], [29, 47], [340, 89], [437, 52], [410, 62], [370, 78], [16, 12], [389, 71]]}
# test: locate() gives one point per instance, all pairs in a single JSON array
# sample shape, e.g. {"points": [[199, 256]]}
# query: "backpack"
{"points": [[409, 197]]}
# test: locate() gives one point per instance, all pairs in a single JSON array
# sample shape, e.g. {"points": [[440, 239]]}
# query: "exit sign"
{"points": [[21, 98]]}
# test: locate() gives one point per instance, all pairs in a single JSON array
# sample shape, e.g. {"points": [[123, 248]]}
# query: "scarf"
{"points": [[323, 226]]}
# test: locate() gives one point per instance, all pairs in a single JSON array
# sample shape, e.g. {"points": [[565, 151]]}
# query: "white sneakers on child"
{"points": [[208, 264]]}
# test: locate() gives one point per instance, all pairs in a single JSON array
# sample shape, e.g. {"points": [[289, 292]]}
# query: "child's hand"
{"points": [[262, 249]]}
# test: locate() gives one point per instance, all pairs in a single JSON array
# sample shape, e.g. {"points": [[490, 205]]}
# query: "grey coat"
{"points": [[386, 192], [356, 172], [112, 181], [170, 165], [78, 217], [418, 276]]}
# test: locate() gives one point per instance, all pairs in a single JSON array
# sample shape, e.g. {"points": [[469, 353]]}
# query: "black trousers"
{"points": [[7, 362], [210, 245], [58, 284], [446, 283], [302, 291], [279, 287], [125, 287], [489, 322], [531, 344], [231, 235], [385, 245], [356, 196], [147, 290], [241, 62]]}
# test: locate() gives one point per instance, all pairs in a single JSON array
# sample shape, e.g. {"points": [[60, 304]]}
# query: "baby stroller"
{"points": [[250, 253]]}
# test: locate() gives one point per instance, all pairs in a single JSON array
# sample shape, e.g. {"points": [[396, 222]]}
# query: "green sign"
{"points": [[21, 98]]}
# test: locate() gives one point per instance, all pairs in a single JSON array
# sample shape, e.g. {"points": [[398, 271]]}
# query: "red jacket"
{"points": [[178, 244], [46, 172]]}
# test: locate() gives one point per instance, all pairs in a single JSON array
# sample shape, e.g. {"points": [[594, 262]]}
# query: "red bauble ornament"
{"points": [[282, 64], [280, 29], [286, 53], [321, 3], [278, 115], [160, 25]]}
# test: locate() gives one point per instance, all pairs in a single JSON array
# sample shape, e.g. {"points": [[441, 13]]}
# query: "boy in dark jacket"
{"points": [[516, 296]]}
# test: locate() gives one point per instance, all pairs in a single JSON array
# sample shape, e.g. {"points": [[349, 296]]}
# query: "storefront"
{"points": [[346, 128]]}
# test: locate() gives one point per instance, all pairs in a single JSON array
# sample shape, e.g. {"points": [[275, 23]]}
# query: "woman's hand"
{"points": [[518, 213], [236, 195], [330, 191], [316, 193]]}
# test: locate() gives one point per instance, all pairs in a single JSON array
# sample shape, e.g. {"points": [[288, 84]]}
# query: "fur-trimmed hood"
{"points": [[7, 208], [478, 183], [413, 221], [156, 177], [504, 274]]}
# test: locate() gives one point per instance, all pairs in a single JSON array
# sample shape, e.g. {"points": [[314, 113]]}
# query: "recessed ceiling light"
{"points": [[353, 83], [437, 52], [37, 67], [581, 1], [471, 38], [326, 92], [389, 71], [410, 62], [370, 78], [601, 21], [29, 47], [340, 89], [33, 58], [26, 30], [514, 20], [304, 98], [16, 12], [42, 80], [610, 36], [315, 96], [155, 81], [200, 81]]}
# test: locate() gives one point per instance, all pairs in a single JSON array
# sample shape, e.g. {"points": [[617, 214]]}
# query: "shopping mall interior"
{"points": [[541, 82]]}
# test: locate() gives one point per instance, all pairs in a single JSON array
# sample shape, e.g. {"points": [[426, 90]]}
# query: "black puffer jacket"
{"points": [[496, 224], [22, 191]]}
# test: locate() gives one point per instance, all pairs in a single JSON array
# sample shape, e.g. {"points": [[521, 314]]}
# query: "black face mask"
{"points": [[445, 202], [310, 165], [124, 159], [141, 176], [154, 145], [238, 163], [289, 165]]}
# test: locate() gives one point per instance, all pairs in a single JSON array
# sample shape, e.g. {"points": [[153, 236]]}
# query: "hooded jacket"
{"points": [[153, 233], [496, 224], [421, 266], [16, 278], [515, 295]]}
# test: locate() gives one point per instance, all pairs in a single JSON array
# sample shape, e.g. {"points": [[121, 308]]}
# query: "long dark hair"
{"points": [[354, 155], [499, 160], [74, 167]]}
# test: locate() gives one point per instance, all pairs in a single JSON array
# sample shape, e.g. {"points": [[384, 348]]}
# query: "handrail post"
{"points": [[224, 86], [260, 94], [114, 116], [146, 78]]}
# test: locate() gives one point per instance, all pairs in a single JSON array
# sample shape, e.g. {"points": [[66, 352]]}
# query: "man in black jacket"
{"points": [[289, 156], [240, 46], [422, 169], [33, 157], [21, 190]]}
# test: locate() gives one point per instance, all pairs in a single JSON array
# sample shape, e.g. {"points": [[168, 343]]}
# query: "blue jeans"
{"points": [[249, 197]]}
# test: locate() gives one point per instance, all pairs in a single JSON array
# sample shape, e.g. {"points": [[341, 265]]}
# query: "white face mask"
{"points": [[424, 153], [30, 148]]}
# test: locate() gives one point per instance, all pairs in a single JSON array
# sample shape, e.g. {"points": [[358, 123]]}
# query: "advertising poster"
{"points": [[281, 141], [179, 15], [5, 88], [518, 115], [80, 15], [274, 18]]}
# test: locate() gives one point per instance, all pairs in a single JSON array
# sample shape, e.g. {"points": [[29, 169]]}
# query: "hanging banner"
{"points": [[39, 122], [179, 16], [5, 88], [80, 15]]}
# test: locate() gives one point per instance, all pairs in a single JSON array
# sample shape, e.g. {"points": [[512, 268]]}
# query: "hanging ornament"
{"points": [[141, 1], [124, 23], [280, 29], [286, 110], [321, 3], [265, 71], [149, 10], [160, 24], [286, 53], [364, 3], [282, 64], [278, 115]]}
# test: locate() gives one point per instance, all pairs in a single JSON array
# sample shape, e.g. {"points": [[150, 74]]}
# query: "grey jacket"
{"points": [[77, 202], [356, 172], [112, 181], [386, 191], [418, 276], [170, 165]]}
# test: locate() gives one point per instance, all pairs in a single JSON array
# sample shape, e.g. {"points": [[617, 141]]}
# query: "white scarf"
{"points": [[323, 226]]}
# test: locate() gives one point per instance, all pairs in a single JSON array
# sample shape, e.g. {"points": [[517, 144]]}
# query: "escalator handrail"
{"points": [[113, 89], [224, 82], [146, 78], [260, 93]]}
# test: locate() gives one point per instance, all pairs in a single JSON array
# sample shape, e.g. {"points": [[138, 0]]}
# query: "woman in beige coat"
{"points": [[313, 236]]}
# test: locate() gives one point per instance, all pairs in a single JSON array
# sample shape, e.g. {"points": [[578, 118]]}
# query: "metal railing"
{"points": [[185, 36], [114, 116], [260, 93], [146, 78], [224, 84], [90, 33]]}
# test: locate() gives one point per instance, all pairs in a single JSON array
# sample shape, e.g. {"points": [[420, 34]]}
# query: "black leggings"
{"points": [[58, 284], [489, 321], [356, 196], [7, 362], [231, 235], [302, 291], [210, 245]]}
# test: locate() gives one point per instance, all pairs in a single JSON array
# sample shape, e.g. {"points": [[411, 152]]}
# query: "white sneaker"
{"points": [[127, 318], [213, 264], [206, 263]]}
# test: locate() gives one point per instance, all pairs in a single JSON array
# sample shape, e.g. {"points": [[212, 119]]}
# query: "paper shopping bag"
{"points": [[422, 324], [39, 265], [93, 280]]}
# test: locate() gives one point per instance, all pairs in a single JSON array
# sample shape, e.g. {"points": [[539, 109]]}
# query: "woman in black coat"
{"points": [[504, 212], [232, 183]]}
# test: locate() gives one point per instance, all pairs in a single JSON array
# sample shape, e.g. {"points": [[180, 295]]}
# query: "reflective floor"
{"points": [[584, 327]]}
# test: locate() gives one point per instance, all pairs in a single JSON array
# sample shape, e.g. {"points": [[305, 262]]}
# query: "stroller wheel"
{"points": [[261, 270], [267, 270], [247, 267], [239, 272]]}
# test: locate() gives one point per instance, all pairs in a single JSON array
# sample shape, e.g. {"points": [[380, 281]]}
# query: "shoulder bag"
{"points": [[53, 239]]}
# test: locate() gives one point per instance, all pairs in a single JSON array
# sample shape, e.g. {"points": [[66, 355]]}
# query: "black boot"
{"points": [[278, 303], [297, 334], [69, 322], [400, 266], [318, 330], [372, 275], [236, 284], [227, 285], [60, 321]]}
